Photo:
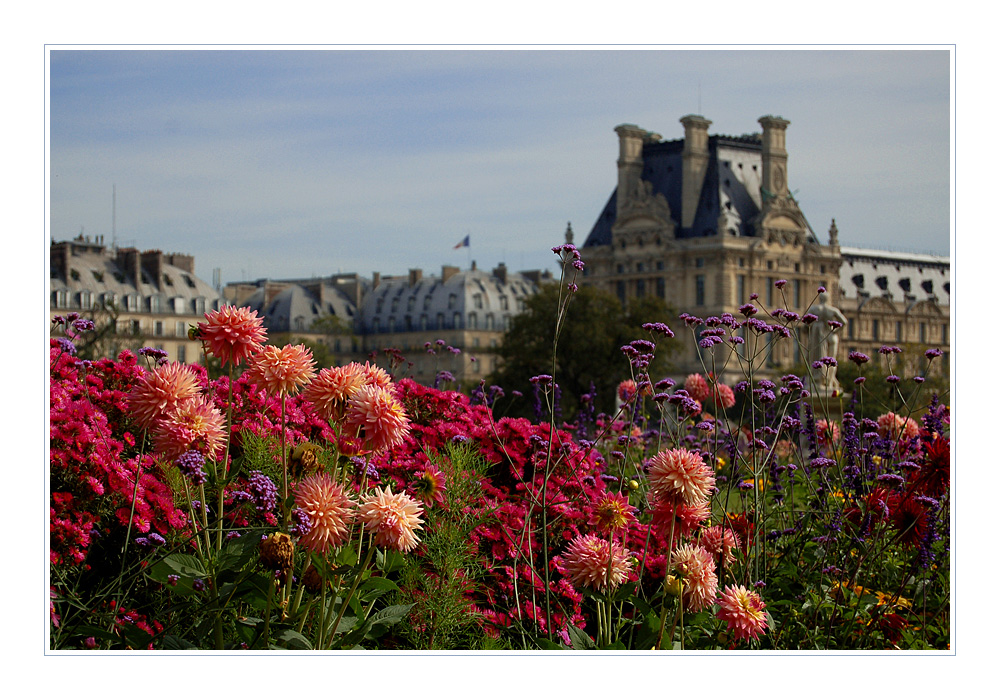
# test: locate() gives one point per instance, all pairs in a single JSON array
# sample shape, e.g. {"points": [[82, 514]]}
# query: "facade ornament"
{"points": [[833, 232]]}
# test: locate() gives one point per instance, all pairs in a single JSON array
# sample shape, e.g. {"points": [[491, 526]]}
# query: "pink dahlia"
{"points": [[429, 486], [392, 518], [680, 474], [697, 387], [158, 392], [827, 432], [626, 390], [330, 512], [232, 334], [721, 542], [897, 428], [281, 371], [743, 611], [329, 391], [376, 417], [723, 396], [673, 515], [612, 511], [596, 563], [696, 569], [193, 424], [375, 375]]}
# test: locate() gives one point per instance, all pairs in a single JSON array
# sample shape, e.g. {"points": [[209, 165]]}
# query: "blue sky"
{"points": [[289, 163]]}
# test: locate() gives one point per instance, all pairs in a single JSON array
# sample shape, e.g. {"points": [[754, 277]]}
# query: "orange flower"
{"points": [[232, 334], [330, 512], [281, 371], [377, 417], [680, 474], [696, 569], [158, 392], [393, 518], [330, 390]]}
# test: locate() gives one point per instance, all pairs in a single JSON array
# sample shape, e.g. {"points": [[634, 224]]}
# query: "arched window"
{"points": [[473, 320]]}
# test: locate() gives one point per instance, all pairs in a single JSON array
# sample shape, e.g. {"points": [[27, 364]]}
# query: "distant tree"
{"points": [[589, 351], [880, 396], [108, 337]]}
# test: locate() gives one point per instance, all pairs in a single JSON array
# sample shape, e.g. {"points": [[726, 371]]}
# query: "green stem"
{"points": [[354, 587]]}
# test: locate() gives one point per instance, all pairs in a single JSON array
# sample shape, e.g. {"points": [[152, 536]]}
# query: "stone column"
{"points": [[775, 176], [630, 139]]}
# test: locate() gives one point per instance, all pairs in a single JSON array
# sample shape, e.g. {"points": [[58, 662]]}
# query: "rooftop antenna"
{"points": [[114, 215]]}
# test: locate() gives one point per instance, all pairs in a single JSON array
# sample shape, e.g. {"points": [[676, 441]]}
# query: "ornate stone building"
{"points": [[152, 296], [706, 220]]}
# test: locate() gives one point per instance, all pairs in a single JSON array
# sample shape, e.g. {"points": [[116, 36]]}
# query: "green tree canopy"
{"points": [[595, 328]]}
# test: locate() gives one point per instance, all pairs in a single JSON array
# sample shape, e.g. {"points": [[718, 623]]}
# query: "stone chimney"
{"points": [[59, 254], [415, 276], [630, 139], [774, 179], [152, 262], [376, 279], [184, 262], [130, 262], [694, 159], [447, 272], [500, 273]]}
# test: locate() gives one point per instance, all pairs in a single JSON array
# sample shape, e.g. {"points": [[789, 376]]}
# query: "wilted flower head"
{"points": [[596, 563], [232, 334], [281, 371], [158, 392], [743, 611], [392, 518], [329, 510], [721, 542], [193, 424]]}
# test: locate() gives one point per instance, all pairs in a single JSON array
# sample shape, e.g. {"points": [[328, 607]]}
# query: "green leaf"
{"points": [[390, 615], [172, 641], [546, 644], [183, 565], [374, 587], [293, 639], [579, 638], [237, 552], [390, 561]]}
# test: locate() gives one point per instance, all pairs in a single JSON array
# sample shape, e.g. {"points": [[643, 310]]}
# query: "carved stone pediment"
{"points": [[781, 221], [642, 203]]}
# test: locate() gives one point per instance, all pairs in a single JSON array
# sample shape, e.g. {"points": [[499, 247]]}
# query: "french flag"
{"points": [[464, 243]]}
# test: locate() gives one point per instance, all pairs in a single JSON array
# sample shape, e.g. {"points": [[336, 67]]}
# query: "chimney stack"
{"points": [[775, 176], [500, 273], [129, 261], [376, 279], [415, 276], [447, 272], [695, 163], [152, 261], [630, 139]]}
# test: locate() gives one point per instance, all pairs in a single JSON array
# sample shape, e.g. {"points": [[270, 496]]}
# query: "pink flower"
{"points": [[612, 511], [743, 611], [158, 392], [696, 568], [595, 563], [377, 418], [232, 334], [723, 396], [393, 518], [894, 427], [827, 432], [626, 390], [281, 371], [193, 424], [375, 375], [680, 474], [330, 390], [721, 542], [330, 512], [697, 387], [429, 486], [670, 514]]}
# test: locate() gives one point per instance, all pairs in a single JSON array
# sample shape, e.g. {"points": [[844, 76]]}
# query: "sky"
{"points": [[301, 163]]}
